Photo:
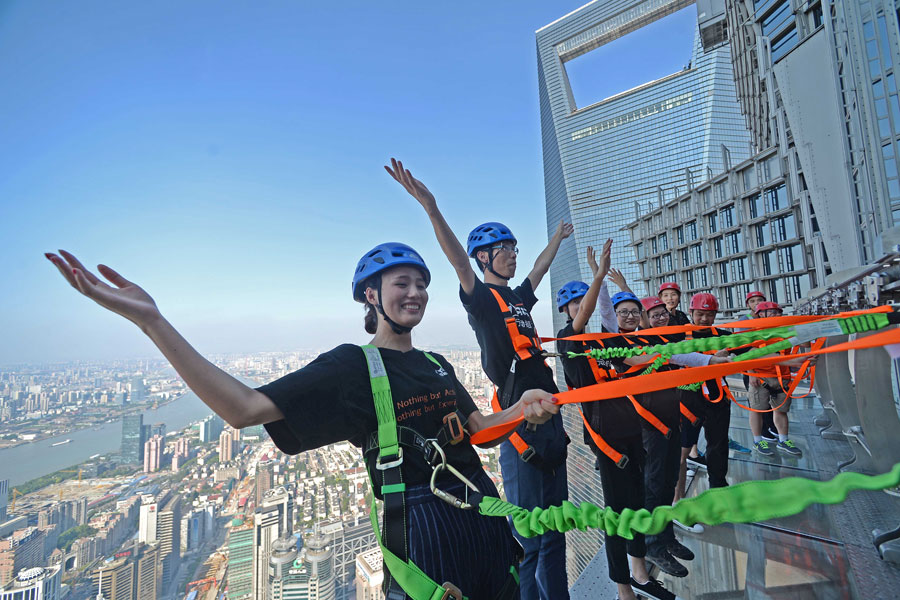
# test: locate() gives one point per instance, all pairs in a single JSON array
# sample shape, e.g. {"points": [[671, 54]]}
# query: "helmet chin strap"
{"points": [[398, 329], [490, 265]]}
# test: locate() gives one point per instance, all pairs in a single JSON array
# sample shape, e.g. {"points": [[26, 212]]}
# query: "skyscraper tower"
{"points": [[240, 560], [282, 557], [169, 535], [636, 147], [264, 479], [273, 519], [133, 438]]}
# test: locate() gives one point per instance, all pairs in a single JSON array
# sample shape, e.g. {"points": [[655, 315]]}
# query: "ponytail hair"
{"points": [[370, 320]]}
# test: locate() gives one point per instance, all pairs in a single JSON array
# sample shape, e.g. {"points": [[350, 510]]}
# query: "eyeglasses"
{"points": [[507, 249], [628, 313]]}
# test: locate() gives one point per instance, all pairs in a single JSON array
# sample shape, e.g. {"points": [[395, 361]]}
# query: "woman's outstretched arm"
{"points": [[240, 405], [537, 406]]}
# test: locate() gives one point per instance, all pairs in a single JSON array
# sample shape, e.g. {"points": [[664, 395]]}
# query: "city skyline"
{"points": [[212, 156]]}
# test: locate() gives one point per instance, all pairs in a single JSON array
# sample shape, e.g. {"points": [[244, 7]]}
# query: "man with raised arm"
{"points": [[532, 461]]}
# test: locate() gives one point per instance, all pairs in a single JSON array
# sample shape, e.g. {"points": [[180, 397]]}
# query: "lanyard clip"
{"points": [[446, 497]]}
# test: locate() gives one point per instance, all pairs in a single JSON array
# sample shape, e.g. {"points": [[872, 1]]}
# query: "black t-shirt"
{"points": [[497, 352], [330, 400], [614, 418], [678, 318]]}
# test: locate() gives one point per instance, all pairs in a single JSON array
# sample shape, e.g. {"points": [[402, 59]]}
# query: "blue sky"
{"points": [[227, 157]]}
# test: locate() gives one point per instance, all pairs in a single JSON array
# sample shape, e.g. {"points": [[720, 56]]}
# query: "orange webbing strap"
{"points": [[746, 325], [686, 412], [515, 439], [649, 417], [669, 379], [705, 390], [617, 457], [816, 345], [524, 346]]}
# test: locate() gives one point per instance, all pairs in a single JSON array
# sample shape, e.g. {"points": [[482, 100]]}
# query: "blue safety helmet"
{"points": [[383, 257], [570, 291], [487, 234], [620, 297]]}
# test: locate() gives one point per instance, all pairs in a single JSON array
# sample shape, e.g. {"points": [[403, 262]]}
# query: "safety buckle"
{"points": [[455, 426], [446, 497], [391, 464], [451, 592], [528, 454], [622, 462]]}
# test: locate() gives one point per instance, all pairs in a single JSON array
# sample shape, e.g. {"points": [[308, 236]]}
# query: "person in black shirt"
{"points": [[670, 293], [615, 421], [331, 400], [512, 358]]}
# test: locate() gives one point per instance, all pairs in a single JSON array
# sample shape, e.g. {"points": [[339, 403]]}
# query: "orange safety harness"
{"points": [[525, 347]]}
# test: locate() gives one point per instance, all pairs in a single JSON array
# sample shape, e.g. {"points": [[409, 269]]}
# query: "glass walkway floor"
{"points": [[825, 552]]}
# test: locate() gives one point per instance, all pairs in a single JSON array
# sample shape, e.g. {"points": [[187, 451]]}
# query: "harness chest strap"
{"points": [[525, 346]]}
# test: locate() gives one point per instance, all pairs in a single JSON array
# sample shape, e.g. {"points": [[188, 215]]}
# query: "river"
{"points": [[28, 461]]}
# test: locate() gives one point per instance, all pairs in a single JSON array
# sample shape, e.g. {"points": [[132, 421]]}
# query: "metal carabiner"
{"points": [[446, 497]]}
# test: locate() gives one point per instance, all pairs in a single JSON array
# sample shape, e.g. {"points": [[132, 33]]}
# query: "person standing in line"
{"points": [[767, 393], [769, 433], [670, 293], [533, 460]]}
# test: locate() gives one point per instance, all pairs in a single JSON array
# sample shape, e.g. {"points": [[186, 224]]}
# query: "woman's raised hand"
{"points": [[126, 298], [618, 278], [412, 185], [600, 270]]}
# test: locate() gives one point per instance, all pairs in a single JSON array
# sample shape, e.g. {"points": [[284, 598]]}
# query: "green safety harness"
{"points": [[403, 577]]}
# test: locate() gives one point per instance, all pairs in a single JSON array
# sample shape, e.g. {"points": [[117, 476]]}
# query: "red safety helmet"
{"points": [[651, 302], [704, 301], [669, 285], [754, 294], [768, 306]]}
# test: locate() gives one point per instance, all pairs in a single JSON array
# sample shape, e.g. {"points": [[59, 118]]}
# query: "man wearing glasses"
{"points": [[533, 461]]}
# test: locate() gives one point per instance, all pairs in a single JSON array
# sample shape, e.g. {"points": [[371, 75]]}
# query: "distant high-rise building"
{"points": [[153, 452], [133, 438], [138, 390], [147, 572], [281, 559], [158, 429], [210, 428], [349, 539], [4, 498], [226, 446], [264, 479], [370, 575], [240, 560], [273, 519], [147, 522], [193, 530], [24, 549], [640, 146], [169, 535], [114, 579], [38, 583], [311, 576]]}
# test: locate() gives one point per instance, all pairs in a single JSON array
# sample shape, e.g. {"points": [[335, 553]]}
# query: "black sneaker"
{"points": [[762, 446], [667, 564], [679, 550], [788, 447], [770, 435], [652, 589], [698, 462]]}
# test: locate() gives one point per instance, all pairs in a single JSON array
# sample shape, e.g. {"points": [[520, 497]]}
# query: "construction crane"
{"points": [[16, 494], [79, 471]]}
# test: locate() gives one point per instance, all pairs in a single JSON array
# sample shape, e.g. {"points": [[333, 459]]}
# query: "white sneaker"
{"points": [[696, 528], [691, 472]]}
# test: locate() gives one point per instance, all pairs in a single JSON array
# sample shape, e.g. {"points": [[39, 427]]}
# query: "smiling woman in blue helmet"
{"points": [[331, 400]]}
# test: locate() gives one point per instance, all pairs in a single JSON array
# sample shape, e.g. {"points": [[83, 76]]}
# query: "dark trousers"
{"points": [[542, 572], [470, 550], [661, 468], [623, 488], [715, 428]]}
